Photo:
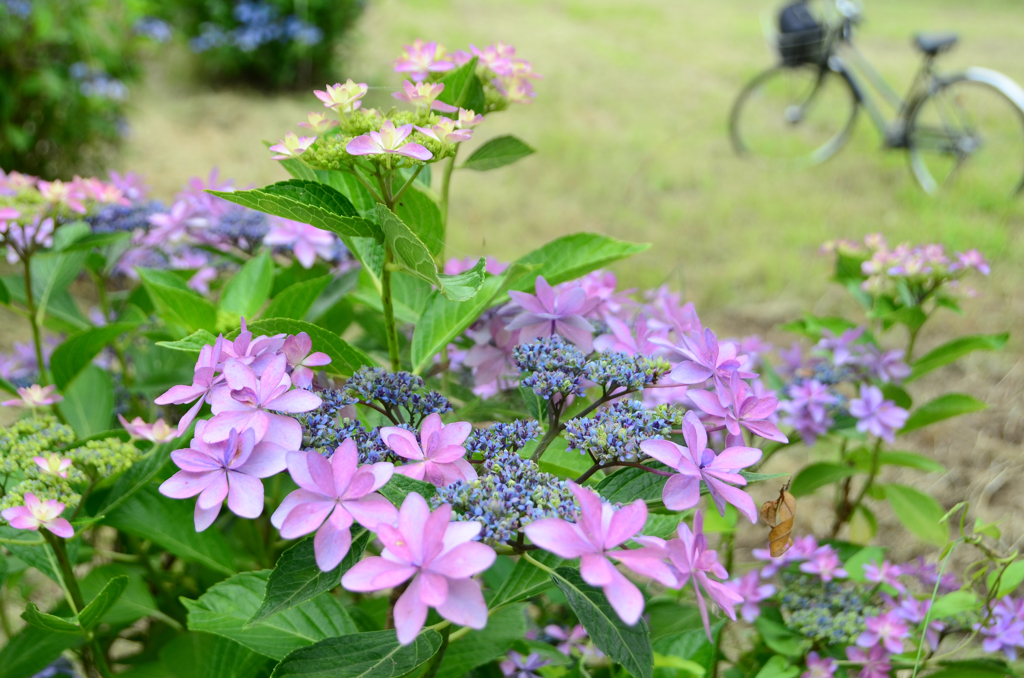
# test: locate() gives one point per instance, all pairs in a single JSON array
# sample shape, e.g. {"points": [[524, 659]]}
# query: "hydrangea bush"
{"points": [[339, 452]]}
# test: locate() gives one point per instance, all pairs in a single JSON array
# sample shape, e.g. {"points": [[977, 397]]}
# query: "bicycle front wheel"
{"points": [[799, 114], [969, 132]]}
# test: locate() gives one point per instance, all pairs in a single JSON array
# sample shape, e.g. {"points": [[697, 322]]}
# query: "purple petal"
{"points": [[215, 492], [267, 459], [465, 560], [465, 604], [184, 484], [665, 451], [410, 613], [688, 372], [245, 496], [708, 402], [204, 517], [371, 510], [363, 145], [626, 522], [413, 150], [734, 458], [330, 545], [681, 492], [625, 598], [295, 401], [292, 500], [311, 472], [376, 573], [433, 588], [560, 537], [766, 430], [305, 517]]}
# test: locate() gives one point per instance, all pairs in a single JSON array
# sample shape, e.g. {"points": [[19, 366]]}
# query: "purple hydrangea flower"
{"points": [[876, 415], [548, 313]]}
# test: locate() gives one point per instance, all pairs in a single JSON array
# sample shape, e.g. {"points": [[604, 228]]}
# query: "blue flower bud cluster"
{"points": [[555, 367], [324, 429], [614, 433], [395, 390], [510, 493], [258, 24], [615, 370], [499, 438], [242, 227], [829, 612], [118, 218]]}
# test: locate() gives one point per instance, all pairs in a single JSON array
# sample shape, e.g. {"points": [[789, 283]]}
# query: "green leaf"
{"points": [[462, 88], [629, 484], [664, 526], [497, 152], [345, 358], [535, 405], [225, 608], [193, 343], [559, 460], [399, 487], [134, 603], [973, 668], [417, 209], [78, 350], [918, 511], [39, 556], [572, 256], [526, 579], [142, 471], [31, 650], [169, 522], [910, 460], [295, 301], [1011, 579], [629, 646], [247, 291], [411, 253], [296, 577], [175, 303], [691, 645], [204, 655], [376, 654], [442, 320], [477, 648], [897, 395], [780, 638], [943, 407], [308, 202], [101, 604], [953, 350], [954, 603], [812, 326], [88, 404], [810, 478], [48, 622], [777, 667]]}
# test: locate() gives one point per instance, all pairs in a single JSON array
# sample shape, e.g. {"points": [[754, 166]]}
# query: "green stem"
{"points": [[536, 563], [67, 573], [928, 614], [23, 542], [446, 181], [846, 511], [435, 663], [549, 437], [407, 184], [30, 304], [729, 542], [390, 328]]}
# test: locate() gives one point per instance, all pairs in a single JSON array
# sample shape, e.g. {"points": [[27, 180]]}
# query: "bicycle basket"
{"points": [[801, 38]]}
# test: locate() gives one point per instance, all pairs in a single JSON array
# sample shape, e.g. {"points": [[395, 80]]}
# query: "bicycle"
{"points": [[967, 127]]}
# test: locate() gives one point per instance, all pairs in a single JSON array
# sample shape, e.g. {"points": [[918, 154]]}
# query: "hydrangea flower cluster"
{"points": [[25, 449], [500, 438], [258, 24], [555, 368], [615, 433], [509, 493], [400, 396]]}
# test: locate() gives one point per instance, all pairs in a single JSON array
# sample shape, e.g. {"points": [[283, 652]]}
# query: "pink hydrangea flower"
{"points": [[297, 350], [696, 462], [424, 95], [439, 556], [518, 666], [228, 469], [35, 514], [305, 241], [157, 432], [9, 214], [749, 588], [292, 146], [818, 667], [170, 226], [247, 403], [203, 379], [388, 140], [876, 415], [446, 132], [53, 464], [888, 629], [703, 358], [420, 59], [736, 406], [874, 663], [548, 313], [623, 340], [63, 193], [333, 493], [597, 531], [491, 265], [34, 396], [319, 122], [573, 639], [689, 559], [439, 459], [824, 562], [468, 119], [343, 98], [886, 574]]}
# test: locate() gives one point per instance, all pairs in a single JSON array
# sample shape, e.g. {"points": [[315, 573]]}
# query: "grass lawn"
{"points": [[630, 129]]}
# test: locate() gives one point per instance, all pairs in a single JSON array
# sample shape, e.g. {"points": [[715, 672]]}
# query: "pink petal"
{"points": [[454, 434], [311, 472], [410, 613], [626, 522], [433, 588], [267, 459], [284, 431], [219, 428], [184, 484], [528, 302], [292, 500], [560, 537], [412, 523], [465, 604], [413, 150], [596, 570], [215, 492], [401, 442], [577, 330], [665, 451], [625, 598], [317, 359], [458, 533], [766, 430], [60, 527], [431, 426], [545, 294], [330, 545], [239, 376], [376, 573], [733, 458], [762, 408], [245, 495], [205, 517], [735, 496], [447, 454], [295, 401], [707, 402], [195, 461], [688, 372], [681, 492], [371, 510], [304, 518], [363, 145], [591, 515], [695, 435], [343, 467], [647, 562], [416, 470], [180, 394], [465, 560]]}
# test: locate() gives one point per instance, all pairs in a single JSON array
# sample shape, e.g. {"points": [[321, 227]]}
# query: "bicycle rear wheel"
{"points": [[969, 131], [799, 114]]}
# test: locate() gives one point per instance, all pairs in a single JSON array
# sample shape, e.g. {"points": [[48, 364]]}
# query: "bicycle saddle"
{"points": [[935, 43]]}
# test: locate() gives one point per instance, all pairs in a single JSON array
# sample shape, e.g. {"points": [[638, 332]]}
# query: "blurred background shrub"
{"points": [[65, 67], [267, 44]]}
